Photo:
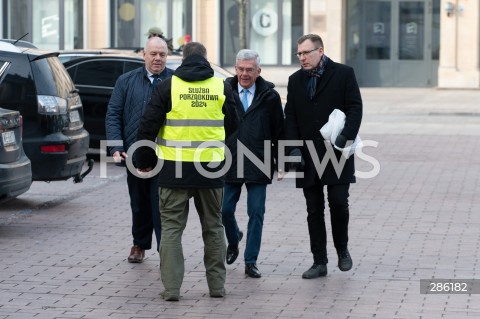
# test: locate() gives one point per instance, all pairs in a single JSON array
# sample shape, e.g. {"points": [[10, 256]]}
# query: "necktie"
{"points": [[245, 99], [155, 80]]}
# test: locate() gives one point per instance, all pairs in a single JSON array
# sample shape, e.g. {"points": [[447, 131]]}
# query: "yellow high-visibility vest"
{"points": [[194, 128]]}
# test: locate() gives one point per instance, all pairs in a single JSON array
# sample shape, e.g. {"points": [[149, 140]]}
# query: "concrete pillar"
{"points": [[208, 27], [459, 45], [98, 23]]}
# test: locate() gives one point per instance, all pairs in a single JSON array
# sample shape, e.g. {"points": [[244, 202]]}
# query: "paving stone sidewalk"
{"points": [[419, 218]]}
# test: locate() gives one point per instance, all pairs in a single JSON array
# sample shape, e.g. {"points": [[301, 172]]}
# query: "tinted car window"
{"points": [[97, 73], [49, 77], [15, 92], [129, 66]]}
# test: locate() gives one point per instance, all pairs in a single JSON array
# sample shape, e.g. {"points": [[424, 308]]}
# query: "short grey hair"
{"points": [[247, 54], [151, 40]]}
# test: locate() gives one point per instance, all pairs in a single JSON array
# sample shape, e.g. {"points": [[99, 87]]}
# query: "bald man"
{"points": [[129, 98]]}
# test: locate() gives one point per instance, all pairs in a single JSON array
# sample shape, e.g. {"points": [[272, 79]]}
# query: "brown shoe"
{"points": [[136, 255]]}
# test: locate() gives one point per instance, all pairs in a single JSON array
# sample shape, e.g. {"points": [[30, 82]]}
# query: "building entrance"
{"points": [[394, 43]]}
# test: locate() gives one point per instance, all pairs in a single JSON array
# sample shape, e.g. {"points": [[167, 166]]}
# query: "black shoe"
{"points": [[344, 260], [232, 251], [251, 270], [317, 270]]}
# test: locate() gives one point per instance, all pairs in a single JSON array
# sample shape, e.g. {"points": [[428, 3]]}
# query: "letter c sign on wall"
{"points": [[265, 22]]}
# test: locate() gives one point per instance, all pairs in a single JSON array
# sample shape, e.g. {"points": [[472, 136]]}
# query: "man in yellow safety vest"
{"points": [[189, 116]]}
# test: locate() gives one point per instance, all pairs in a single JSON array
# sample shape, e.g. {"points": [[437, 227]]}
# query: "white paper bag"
{"points": [[330, 131]]}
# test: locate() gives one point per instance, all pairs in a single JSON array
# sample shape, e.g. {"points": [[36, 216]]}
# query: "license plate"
{"points": [[74, 116], [8, 138]]}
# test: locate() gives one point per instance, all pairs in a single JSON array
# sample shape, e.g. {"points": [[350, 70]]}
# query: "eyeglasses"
{"points": [[246, 70], [305, 53]]}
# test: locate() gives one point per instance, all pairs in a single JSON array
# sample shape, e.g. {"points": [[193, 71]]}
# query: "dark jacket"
{"points": [[337, 88], [193, 68], [129, 98], [262, 122]]}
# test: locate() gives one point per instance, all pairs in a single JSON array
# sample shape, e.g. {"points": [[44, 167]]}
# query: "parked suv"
{"points": [[36, 84], [15, 167]]}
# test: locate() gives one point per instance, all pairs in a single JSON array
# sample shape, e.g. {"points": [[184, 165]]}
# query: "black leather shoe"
{"points": [[251, 270], [344, 260], [232, 251], [317, 270]]}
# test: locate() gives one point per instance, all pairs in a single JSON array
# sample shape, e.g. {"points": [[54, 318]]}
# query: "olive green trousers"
{"points": [[174, 207]]}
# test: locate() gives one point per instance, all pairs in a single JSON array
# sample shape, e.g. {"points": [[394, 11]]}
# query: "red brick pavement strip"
{"points": [[418, 219]]}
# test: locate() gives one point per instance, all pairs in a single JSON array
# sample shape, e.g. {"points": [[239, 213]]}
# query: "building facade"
{"points": [[390, 43]]}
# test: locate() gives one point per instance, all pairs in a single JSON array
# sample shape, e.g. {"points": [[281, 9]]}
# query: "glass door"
{"points": [[412, 63], [393, 43], [379, 47]]}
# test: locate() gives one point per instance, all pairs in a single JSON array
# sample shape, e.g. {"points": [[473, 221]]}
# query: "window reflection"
{"points": [[272, 28], [46, 24], [73, 24], [378, 30], [18, 16], [133, 19], [411, 30], [436, 30]]}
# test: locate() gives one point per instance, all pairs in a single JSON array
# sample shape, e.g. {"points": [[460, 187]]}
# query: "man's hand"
{"points": [[119, 156], [299, 165], [144, 172], [341, 141]]}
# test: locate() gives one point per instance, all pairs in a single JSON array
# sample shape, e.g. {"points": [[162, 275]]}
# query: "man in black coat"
{"points": [[314, 91], [261, 126]]}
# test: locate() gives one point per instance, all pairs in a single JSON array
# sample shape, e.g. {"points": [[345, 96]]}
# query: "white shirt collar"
{"points": [[250, 89]]}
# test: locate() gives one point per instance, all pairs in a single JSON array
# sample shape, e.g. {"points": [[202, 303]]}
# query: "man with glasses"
{"points": [[260, 108], [314, 91]]}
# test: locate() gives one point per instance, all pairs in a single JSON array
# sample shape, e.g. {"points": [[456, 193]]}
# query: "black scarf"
{"points": [[315, 74]]}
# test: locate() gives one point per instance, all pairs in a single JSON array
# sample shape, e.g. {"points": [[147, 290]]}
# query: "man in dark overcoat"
{"points": [[314, 91], [261, 127]]}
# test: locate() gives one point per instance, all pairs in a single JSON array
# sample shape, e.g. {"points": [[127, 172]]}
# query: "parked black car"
{"points": [[15, 167], [95, 75], [36, 84], [67, 55]]}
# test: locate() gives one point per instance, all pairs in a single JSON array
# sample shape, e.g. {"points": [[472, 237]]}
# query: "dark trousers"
{"points": [[339, 215], [144, 202]]}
